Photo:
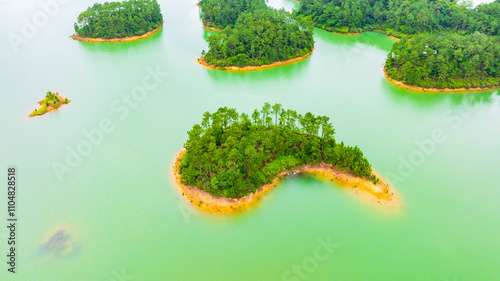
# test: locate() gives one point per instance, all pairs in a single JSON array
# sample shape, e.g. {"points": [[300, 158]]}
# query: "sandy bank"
{"points": [[211, 28], [124, 39], [202, 61], [431, 90], [49, 108], [380, 193], [393, 38]]}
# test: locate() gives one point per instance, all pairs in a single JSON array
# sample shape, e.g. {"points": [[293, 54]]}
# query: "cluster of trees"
{"points": [[401, 16], [119, 19], [219, 14], [231, 154], [465, 57], [253, 33], [260, 37], [50, 100], [453, 61]]}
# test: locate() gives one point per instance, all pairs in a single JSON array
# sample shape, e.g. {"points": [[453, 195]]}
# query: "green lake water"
{"points": [[128, 220]]}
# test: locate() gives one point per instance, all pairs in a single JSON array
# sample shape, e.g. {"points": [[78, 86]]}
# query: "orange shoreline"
{"points": [[124, 39], [431, 90], [216, 204], [211, 28], [203, 62], [49, 108], [393, 38]]}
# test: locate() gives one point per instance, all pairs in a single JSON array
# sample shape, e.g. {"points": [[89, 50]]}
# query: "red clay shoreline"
{"points": [[432, 90], [124, 39], [203, 62], [207, 202]]}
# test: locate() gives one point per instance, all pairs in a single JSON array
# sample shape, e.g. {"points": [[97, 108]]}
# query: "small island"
{"points": [[231, 159], [259, 39], [118, 21], [52, 101], [253, 35], [433, 63]]}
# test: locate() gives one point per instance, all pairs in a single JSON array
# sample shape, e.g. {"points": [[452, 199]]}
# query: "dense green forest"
{"points": [[397, 17], [260, 37], [221, 13], [453, 61], [231, 154], [119, 19]]}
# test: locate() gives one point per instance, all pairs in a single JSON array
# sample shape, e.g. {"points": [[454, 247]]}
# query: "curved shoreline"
{"points": [[392, 37], [205, 201], [432, 90], [124, 39], [208, 27], [211, 28], [203, 62]]}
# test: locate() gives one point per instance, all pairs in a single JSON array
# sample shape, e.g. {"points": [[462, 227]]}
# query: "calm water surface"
{"points": [[125, 216]]}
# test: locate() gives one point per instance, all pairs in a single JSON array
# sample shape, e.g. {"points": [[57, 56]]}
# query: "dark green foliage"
{"points": [[452, 61], [402, 16], [260, 37], [231, 154], [221, 13], [119, 19]]}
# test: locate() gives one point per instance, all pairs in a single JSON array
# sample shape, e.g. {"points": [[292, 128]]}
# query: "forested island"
{"points": [[400, 17], [253, 35], [232, 158], [436, 62], [52, 101], [118, 21], [219, 14], [446, 46]]}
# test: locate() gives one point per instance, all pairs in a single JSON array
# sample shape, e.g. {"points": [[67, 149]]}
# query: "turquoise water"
{"points": [[126, 217]]}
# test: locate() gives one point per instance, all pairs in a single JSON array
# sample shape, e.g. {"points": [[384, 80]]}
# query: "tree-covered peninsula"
{"points": [[112, 20], [231, 154], [260, 37], [453, 61], [399, 17], [52, 101], [221, 13]]}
